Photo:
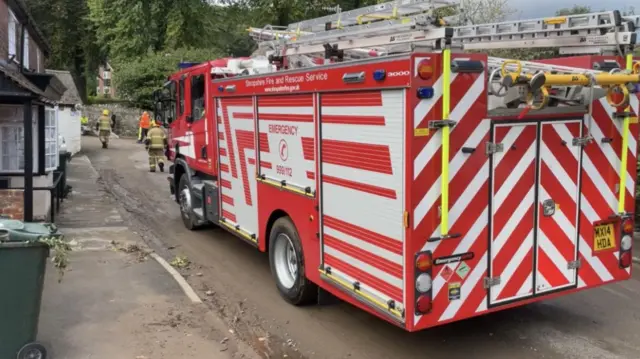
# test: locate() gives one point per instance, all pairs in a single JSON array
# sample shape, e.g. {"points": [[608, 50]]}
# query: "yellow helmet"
{"points": [[105, 112], [152, 123]]}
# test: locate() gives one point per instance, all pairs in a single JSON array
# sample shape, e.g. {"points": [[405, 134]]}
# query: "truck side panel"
{"points": [[287, 141], [362, 197], [238, 189]]}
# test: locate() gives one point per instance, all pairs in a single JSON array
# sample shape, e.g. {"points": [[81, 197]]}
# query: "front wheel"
{"points": [[286, 259], [185, 200], [32, 351]]}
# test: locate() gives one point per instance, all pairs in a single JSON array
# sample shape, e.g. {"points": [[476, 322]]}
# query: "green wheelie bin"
{"points": [[22, 270]]}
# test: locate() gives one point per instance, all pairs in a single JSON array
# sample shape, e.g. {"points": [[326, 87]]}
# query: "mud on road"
{"points": [[235, 282]]}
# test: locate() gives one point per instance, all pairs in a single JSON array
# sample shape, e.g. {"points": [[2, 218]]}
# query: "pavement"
{"points": [[236, 282], [117, 301]]}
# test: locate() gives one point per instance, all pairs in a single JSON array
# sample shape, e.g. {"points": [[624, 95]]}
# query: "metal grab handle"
{"points": [[625, 95], [531, 97], [504, 71]]}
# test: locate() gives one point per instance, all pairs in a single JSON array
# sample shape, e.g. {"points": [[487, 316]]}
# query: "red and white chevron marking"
{"points": [[468, 181], [362, 190], [513, 212], [557, 237]]}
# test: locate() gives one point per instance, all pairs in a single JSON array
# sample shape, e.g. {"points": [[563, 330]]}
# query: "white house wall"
{"points": [[69, 127]]}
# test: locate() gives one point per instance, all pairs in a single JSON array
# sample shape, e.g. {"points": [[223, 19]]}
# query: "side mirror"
{"points": [[190, 119]]}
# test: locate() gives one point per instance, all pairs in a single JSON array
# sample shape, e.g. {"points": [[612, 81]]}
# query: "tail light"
{"points": [[423, 282], [425, 70], [626, 242]]}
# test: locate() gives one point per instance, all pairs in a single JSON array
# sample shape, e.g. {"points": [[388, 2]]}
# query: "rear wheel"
{"points": [[185, 200], [287, 264]]}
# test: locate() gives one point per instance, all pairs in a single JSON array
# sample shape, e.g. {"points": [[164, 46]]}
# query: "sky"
{"points": [[541, 8]]}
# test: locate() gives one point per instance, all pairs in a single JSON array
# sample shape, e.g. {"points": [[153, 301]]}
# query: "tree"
{"points": [[71, 37], [136, 80]]}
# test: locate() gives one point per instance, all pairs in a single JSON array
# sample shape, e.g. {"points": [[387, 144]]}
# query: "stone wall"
{"points": [[126, 118]]}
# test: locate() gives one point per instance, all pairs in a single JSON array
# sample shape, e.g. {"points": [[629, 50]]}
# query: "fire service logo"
{"points": [[284, 150]]}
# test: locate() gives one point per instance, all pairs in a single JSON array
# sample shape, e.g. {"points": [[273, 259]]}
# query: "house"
{"points": [[69, 128], [28, 116], [106, 87]]}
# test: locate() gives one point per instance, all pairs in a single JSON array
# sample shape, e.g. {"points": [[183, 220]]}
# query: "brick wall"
{"points": [[12, 203]]}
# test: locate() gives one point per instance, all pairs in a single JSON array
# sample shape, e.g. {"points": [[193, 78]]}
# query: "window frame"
{"points": [[25, 45], [181, 101], [52, 124], [12, 36], [192, 85]]}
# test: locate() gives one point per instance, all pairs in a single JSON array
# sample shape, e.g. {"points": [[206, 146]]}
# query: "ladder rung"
{"points": [[607, 40], [420, 36], [403, 8]]}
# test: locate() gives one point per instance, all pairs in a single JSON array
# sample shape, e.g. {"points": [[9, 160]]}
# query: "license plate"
{"points": [[603, 237]]}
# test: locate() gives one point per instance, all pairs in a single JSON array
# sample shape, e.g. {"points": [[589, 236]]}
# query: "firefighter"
{"points": [[143, 126], [104, 128], [155, 143]]}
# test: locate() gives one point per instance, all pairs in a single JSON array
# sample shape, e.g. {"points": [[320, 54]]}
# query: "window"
{"points": [[25, 62], [197, 97], [106, 75], [12, 148], [12, 138], [38, 57], [50, 138], [107, 82], [106, 90], [181, 99], [13, 21]]}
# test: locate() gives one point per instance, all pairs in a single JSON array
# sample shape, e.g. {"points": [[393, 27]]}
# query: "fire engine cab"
{"points": [[375, 160]]}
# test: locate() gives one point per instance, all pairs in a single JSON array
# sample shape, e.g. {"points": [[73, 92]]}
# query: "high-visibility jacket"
{"points": [[145, 121], [104, 123], [156, 138], [84, 120]]}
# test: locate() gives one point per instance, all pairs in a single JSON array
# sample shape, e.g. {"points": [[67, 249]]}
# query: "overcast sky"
{"points": [[541, 8]]}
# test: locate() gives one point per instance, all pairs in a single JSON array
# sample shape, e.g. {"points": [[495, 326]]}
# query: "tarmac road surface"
{"points": [[235, 280]]}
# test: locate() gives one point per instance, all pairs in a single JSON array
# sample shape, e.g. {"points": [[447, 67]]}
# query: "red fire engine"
{"points": [[420, 183]]}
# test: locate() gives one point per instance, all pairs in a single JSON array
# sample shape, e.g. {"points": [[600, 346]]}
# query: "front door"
{"points": [[535, 188]]}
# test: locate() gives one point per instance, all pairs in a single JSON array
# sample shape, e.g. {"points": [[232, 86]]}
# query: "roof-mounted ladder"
{"points": [[592, 33]]}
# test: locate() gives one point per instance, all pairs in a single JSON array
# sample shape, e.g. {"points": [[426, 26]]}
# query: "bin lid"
{"points": [[11, 224], [36, 228]]}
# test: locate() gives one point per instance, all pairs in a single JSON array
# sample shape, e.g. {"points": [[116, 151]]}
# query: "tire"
{"points": [[291, 281], [186, 212], [32, 351]]}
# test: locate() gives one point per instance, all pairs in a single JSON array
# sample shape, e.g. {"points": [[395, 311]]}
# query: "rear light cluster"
{"points": [[626, 240], [424, 282]]}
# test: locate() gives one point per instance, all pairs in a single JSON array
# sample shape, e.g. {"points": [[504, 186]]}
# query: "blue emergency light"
{"points": [[379, 75], [425, 92], [186, 65]]}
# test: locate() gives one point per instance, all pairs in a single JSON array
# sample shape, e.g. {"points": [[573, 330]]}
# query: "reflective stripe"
{"points": [[104, 123]]}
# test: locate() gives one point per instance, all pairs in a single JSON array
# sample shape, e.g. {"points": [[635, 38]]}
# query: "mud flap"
{"points": [[326, 298]]}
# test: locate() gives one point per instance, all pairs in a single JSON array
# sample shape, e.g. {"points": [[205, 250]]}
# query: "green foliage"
{"points": [[576, 9], [137, 78]]}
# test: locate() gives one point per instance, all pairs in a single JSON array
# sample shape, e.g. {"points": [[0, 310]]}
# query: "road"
{"points": [[236, 282]]}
